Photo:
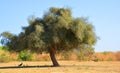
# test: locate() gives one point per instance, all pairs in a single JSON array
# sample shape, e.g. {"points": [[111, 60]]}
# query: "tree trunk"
{"points": [[53, 58]]}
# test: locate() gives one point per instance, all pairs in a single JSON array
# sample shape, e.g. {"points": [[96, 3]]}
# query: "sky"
{"points": [[103, 14]]}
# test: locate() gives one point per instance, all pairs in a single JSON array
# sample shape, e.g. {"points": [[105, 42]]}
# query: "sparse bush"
{"points": [[4, 56], [80, 56], [83, 54], [105, 56], [65, 55], [41, 57], [98, 57], [118, 56], [95, 59], [25, 56]]}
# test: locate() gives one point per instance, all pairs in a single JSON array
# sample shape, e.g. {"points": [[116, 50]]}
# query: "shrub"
{"points": [[118, 55], [65, 55], [81, 55], [25, 56], [41, 57], [104, 56], [4, 56]]}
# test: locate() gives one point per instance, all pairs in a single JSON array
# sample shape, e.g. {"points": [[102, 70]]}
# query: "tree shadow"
{"points": [[36, 66], [51, 66]]}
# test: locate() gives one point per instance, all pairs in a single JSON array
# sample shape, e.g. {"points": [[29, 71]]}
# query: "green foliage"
{"points": [[25, 56], [6, 38], [56, 31], [6, 48], [0, 47]]}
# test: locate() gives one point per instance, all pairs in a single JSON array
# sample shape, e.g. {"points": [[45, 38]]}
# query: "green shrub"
{"points": [[25, 56]]}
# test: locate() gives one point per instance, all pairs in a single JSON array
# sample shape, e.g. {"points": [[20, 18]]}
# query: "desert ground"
{"points": [[66, 67]]}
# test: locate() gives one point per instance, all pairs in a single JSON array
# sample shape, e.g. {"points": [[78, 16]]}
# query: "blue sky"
{"points": [[103, 14]]}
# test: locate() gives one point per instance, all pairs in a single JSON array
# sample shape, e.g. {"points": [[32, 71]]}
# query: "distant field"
{"points": [[66, 67]]}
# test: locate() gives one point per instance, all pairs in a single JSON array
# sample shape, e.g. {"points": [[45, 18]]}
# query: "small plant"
{"points": [[25, 56]]}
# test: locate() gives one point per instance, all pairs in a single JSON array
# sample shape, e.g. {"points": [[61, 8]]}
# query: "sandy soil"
{"points": [[66, 67]]}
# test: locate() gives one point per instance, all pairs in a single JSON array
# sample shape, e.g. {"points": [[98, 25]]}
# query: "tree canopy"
{"points": [[56, 31]]}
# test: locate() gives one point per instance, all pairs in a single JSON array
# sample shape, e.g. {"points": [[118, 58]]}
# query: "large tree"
{"points": [[56, 31]]}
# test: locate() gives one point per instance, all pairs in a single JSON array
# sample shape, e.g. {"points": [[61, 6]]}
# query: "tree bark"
{"points": [[53, 58]]}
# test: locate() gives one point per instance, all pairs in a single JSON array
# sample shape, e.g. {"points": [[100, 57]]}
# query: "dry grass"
{"points": [[66, 67]]}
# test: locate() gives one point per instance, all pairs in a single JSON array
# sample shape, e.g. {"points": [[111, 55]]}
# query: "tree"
{"points": [[56, 31], [6, 37]]}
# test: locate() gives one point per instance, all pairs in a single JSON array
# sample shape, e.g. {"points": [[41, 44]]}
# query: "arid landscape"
{"points": [[66, 67], [44, 36]]}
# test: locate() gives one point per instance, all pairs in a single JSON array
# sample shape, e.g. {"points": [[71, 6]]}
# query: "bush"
{"points": [[41, 57], [105, 56], [4, 56], [80, 55], [118, 55], [65, 55], [25, 56]]}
